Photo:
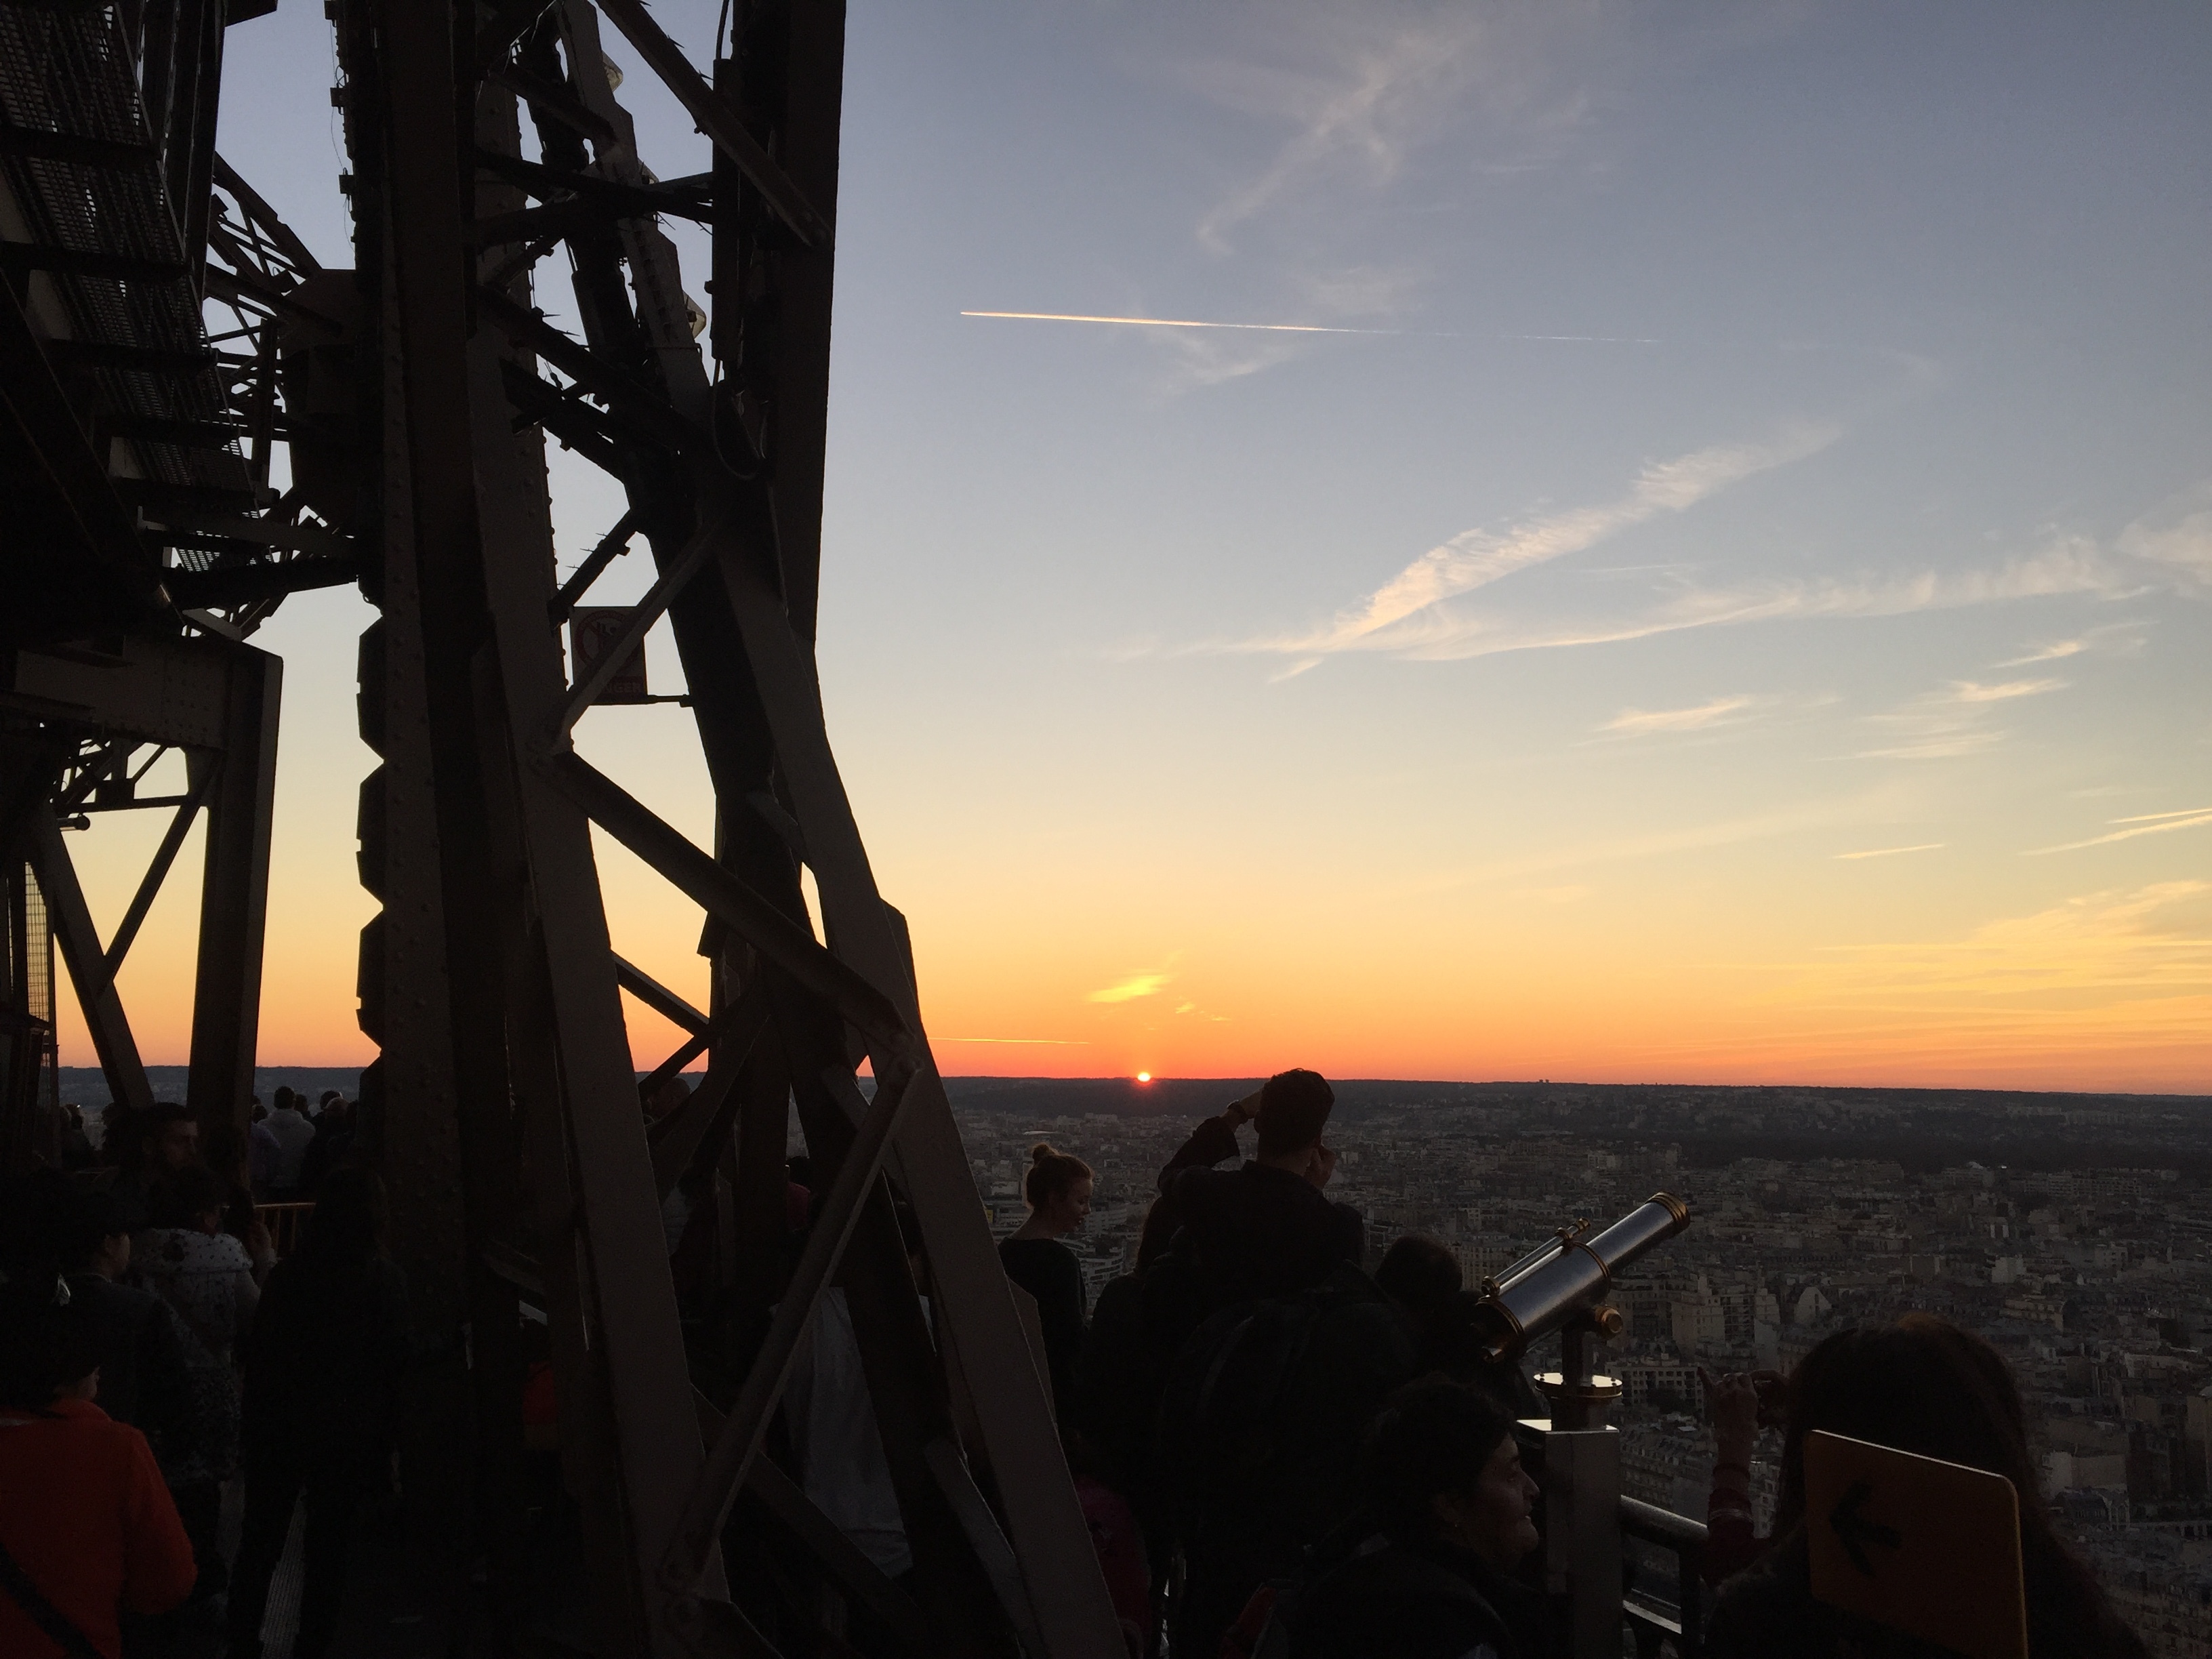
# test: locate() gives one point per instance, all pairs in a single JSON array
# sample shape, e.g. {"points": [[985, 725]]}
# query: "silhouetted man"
{"points": [[155, 1144], [1264, 1230], [288, 1129]]}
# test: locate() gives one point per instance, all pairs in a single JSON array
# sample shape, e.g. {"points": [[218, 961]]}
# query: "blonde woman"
{"points": [[1058, 1187]]}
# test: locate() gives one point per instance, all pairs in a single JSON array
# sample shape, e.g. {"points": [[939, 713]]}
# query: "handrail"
{"points": [[284, 1222], [1663, 1527], [1686, 1538]]}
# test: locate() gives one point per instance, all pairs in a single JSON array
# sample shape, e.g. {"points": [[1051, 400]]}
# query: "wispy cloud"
{"points": [[2177, 536], [1132, 987], [1422, 614], [2117, 971], [1390, 89], [1192, 1011], [1720, 711], [1953, 720], [1043, 1042], [2069, 568], [2056, 652], [1874, 805], [1892, 852], [1393, 617], [2147, 824], [1971, 691], [2112, 638]]}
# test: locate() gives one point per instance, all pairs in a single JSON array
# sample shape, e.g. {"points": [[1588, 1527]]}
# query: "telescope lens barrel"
{"points": [[1543, 1299], [1652, 1222]]}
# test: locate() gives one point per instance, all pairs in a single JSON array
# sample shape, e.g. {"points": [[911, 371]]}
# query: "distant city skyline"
{"points": [[1452, 542]]}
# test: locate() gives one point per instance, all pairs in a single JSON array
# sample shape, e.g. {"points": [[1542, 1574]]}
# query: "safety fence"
{"points": [[284, 1222]]}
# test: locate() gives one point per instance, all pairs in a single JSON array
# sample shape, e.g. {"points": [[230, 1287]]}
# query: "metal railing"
{"points": [[1648, 1621], [284, 1222]]}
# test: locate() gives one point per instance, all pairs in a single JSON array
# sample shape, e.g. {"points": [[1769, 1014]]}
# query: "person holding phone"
{"points": [[1739, 1405]]}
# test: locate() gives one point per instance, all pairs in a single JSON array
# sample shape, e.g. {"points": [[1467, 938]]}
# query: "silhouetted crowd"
{"points": [[156, 1353], [1282, 1454]]}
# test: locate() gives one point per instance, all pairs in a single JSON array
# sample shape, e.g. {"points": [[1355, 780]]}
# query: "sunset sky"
{"points": [[1714, 586]]}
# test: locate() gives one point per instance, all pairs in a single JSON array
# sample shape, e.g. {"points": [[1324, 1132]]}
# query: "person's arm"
{"points": [[158, 1572], [246, 1289], [1351, 1234], [1732, 1541], [1213, 1142]]}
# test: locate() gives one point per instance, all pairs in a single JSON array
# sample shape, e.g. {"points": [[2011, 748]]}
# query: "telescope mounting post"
{"points": [[1580, 1482], [1580, 1397]]}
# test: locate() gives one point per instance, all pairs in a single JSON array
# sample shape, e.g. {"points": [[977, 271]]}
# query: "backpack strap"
{"points": [[42, 1612]]}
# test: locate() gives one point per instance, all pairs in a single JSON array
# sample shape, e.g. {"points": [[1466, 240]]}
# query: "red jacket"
{"points": [[84, 1513]]}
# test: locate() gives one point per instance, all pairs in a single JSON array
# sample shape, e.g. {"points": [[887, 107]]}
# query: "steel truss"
{"points": [[413, 396], [505, 1079], [141, 544]]}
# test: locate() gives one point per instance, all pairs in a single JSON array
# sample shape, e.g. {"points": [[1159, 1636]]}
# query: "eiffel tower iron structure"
{"points": [[163, 335]]}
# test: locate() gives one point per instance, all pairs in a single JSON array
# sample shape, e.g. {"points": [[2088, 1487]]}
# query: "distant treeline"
{"points": [[1921, 1129], [1924, 1154]]}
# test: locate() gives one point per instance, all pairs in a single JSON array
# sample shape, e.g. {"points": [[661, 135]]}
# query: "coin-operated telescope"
{"points": [[1557, 1287], [1560, 1286]]}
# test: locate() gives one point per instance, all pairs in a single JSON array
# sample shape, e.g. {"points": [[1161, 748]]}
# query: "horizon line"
{"points": [[1156, 1078]]}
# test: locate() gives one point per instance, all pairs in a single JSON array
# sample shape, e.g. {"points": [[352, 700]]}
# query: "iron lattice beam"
{"points": [[486, 826]]}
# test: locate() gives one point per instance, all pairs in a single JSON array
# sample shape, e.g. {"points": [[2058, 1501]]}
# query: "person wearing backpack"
{"points": [[1260, 1425], [1451, 1508], [1263, 1229]]}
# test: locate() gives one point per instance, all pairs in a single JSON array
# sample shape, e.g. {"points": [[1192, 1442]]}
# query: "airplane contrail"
{"points": [[1303, 328], [1174, 322]]}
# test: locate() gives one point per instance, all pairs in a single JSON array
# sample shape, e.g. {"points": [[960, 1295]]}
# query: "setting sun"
{"points": [[1144, 1076]]}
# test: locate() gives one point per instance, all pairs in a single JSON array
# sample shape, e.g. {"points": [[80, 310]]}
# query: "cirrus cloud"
{"points": [[1132, 987]]}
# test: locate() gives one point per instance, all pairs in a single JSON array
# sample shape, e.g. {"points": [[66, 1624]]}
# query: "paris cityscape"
{"points": [[2073, 1231]]}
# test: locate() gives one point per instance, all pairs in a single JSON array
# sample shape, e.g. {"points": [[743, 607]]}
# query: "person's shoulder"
{"points": [[93, 1430], [127, 1304], [1193, 1176], [1381, 1576], [227, 1251]]}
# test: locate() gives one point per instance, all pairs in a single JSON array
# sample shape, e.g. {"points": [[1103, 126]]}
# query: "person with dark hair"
{"points": [[1450, 1505], [225, 1151], [206, 1278], [1058, 1189], [75, 1145], [323, 1364], [1118, 1372], [1417, 1272], [153, 1144], [143, 1349], [88, 1528], [1264, 1230], [202, 1271], [333, 1141], [1924, 1386]]}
